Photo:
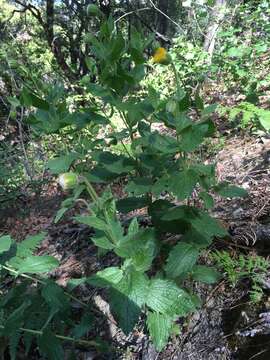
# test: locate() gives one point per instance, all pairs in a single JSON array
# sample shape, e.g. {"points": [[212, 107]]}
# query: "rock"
{"points": [[237, 213]]}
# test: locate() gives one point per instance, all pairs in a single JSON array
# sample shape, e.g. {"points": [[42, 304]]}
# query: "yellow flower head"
{"points": [[161, 56]]}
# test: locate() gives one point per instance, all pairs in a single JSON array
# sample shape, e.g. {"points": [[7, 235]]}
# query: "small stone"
{"points": [[238, 212]]}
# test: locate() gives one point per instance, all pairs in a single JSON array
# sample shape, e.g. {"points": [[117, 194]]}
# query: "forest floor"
{"points": [[214, 332]]}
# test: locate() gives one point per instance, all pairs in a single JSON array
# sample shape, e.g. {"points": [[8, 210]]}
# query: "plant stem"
{"points": [[176, 79], [91, 192], [61, 337], [41, 282]]}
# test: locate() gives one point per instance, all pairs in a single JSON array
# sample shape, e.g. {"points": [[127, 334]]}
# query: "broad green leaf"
{"points": [[5, 243], [108, 277], [140, 248], [92, 221], [30, 99], [159, 326], [181, 260], [200, 221], [209, 109], [37, 264], [205, 274], [61, 164], [207, 199], [132, 203], [50, 346], [264, 118], [55, 297], [207, 226], [183, 183], [193, 136], [196, 239], [127, 298], [166, 297], [84, 326], [102, 241], [139, 186], [27, 246], [16, 318], [101, 175], [163, 143], [227, 190], [133, 227]]}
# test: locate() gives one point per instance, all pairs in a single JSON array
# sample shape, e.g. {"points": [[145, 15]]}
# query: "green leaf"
{"points": [[207, 199], [133, 227], [160, 327], [37, 264], [183, 183], [93, 10], [139, 186], [226, 190], [181, 260], [166, 297], [205, 274], [5, 243], [209, 109], [27, 246], [200, 221], [61, 164], [84, 326], [55, 297], [14, 341], [107, 277], [207, 226], [14, 102], [131, 203], [102, 241], [30, 99], [60, 213], [140, 248], [92, 221], [193, 136], [198, 101], [16, 318], [50, 346], [127, 298]]}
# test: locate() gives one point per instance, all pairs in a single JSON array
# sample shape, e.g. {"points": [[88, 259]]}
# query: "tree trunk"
{"points": [[162, 21], [217, 16]]}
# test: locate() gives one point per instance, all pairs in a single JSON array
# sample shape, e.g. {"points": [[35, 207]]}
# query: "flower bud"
{"points": [[161, 56], [93, 10], [68, 180]]}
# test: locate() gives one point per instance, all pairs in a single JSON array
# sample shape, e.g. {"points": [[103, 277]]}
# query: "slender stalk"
{"points": [[176, 78], [41, 282], [91, 192], [123, 117], [61, 337]]}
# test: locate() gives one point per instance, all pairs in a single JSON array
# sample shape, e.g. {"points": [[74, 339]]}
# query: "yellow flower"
{"points": [[161, 56]]}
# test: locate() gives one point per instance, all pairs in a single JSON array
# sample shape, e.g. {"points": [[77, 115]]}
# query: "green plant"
{"points": [[253, 267], [248, 115], [242, 55], [34, 309], [191, 64], [153, 275]]}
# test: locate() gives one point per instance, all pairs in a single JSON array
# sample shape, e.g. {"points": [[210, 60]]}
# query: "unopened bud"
{"points": [[68, 180], [93, 10]]}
